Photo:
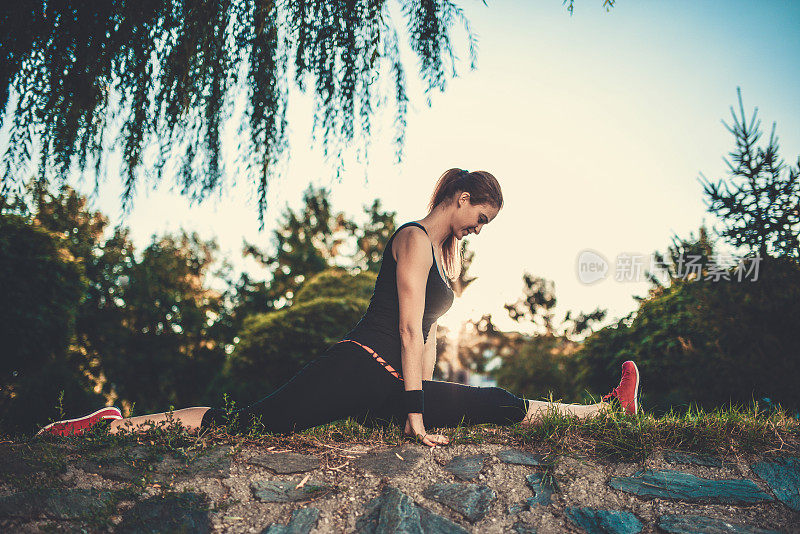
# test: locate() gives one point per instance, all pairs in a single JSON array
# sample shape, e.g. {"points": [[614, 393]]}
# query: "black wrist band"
{"points": [[414, 401]]}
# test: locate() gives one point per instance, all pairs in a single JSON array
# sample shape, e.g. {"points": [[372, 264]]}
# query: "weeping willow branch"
{"points": [[165, 73]]}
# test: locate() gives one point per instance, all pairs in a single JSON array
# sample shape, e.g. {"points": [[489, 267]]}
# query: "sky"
{"points": [[596, 125]]}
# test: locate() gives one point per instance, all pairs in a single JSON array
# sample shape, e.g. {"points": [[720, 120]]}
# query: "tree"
{"points": [[538, 366], [147, 330], [174, 335], [544, 362], [172, 65], [607, 4], [760, 204], [463, 281], [336, 283], [372, 238], [304, 244], [42, 286], [105, 259], [538, 301], [686, 260]]}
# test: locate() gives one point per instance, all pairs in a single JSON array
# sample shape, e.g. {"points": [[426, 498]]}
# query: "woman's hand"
{"points": [[415, 427]]}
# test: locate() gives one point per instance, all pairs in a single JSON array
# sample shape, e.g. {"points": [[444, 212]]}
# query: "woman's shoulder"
{"points": [[410, 240]]}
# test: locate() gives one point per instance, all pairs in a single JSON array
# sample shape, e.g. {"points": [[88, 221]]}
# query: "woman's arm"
{"points": [[429, 359], [412, 249], [414, 262]]}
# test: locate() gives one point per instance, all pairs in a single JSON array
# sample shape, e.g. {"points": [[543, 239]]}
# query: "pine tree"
{"points": [[759, 203]]}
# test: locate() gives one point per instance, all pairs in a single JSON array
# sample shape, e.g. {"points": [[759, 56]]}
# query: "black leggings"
{"points": [[349, 380]]}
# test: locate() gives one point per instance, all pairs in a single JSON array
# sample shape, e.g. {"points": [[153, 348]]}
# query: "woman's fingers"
{"points": [[432, 440], [440, 439]]}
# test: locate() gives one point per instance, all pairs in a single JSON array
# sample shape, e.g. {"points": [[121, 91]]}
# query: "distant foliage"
{"points": [[42, 286], [173, 331], [307, 242], [539, 367], [88, 315]]}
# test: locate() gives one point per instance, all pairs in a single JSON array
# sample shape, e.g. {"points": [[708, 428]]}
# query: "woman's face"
{"points": [[470, 219]]}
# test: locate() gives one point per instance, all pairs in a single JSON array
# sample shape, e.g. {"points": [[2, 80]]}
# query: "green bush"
{"points": [[707, 343], [336, 283]]}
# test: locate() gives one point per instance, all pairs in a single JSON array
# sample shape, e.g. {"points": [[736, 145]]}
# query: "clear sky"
{"points": [[596, 125]]}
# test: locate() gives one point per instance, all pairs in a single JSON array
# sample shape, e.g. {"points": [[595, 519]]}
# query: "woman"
{"points": [[383, 368]]}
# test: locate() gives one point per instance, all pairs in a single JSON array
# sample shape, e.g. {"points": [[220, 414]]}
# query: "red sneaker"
{"points": [[74, 427], [628, 389]]}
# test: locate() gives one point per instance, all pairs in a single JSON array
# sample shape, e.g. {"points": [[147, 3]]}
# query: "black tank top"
{"points": [[380, 323]]}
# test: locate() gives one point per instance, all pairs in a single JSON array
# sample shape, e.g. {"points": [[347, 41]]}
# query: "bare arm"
{"points": [[414, 260], [412, 250], [429, 360]]}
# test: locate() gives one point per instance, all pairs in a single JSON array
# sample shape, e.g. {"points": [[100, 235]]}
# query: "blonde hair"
{"points": [[483, 188]]}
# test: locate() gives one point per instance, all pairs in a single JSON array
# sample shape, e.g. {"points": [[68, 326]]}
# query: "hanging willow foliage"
{"points": [[171, 64]]}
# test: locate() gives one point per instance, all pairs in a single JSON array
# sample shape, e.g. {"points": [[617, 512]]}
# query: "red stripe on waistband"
{"points": [[377, 358]]}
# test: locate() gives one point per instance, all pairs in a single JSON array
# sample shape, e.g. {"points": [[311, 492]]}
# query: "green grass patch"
{"points": [[610, 435]]}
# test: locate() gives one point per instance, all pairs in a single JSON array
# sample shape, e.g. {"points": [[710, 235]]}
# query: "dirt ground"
{"points": [[346, 479]]}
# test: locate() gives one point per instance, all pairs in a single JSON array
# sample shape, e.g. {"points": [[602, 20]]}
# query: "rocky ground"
{"points": [[136, 487]]}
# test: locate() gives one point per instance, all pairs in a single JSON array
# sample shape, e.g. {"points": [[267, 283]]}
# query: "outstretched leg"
{"points": [[449, 404], [538, 409], [341, 382], [190, 418]]}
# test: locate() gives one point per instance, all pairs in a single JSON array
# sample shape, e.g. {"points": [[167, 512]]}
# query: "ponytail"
{"points": [[483, 188]]}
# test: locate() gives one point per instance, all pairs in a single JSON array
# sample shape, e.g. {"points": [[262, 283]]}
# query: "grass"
{"points": [[611, 435]]}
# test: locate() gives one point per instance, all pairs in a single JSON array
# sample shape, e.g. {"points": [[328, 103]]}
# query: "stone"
{"points": [[515, 456], [473, 501], [287, 490], [302, 521], [522, 506], [125, 463], [286, 462], [367, 523], [690, 524], [176, 512], [523, 528], [435, 524], [517, 507], [782, 475], [55, 503], [394, 511], [215, 463], [466, 467], [678, 457], [543, 488], [676, 485], [604, 521], [20, 463], [129, 463], [398, 513], [393, 462]]}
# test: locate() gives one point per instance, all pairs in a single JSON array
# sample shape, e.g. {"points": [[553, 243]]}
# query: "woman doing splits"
{"points": [[383, 368]]}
